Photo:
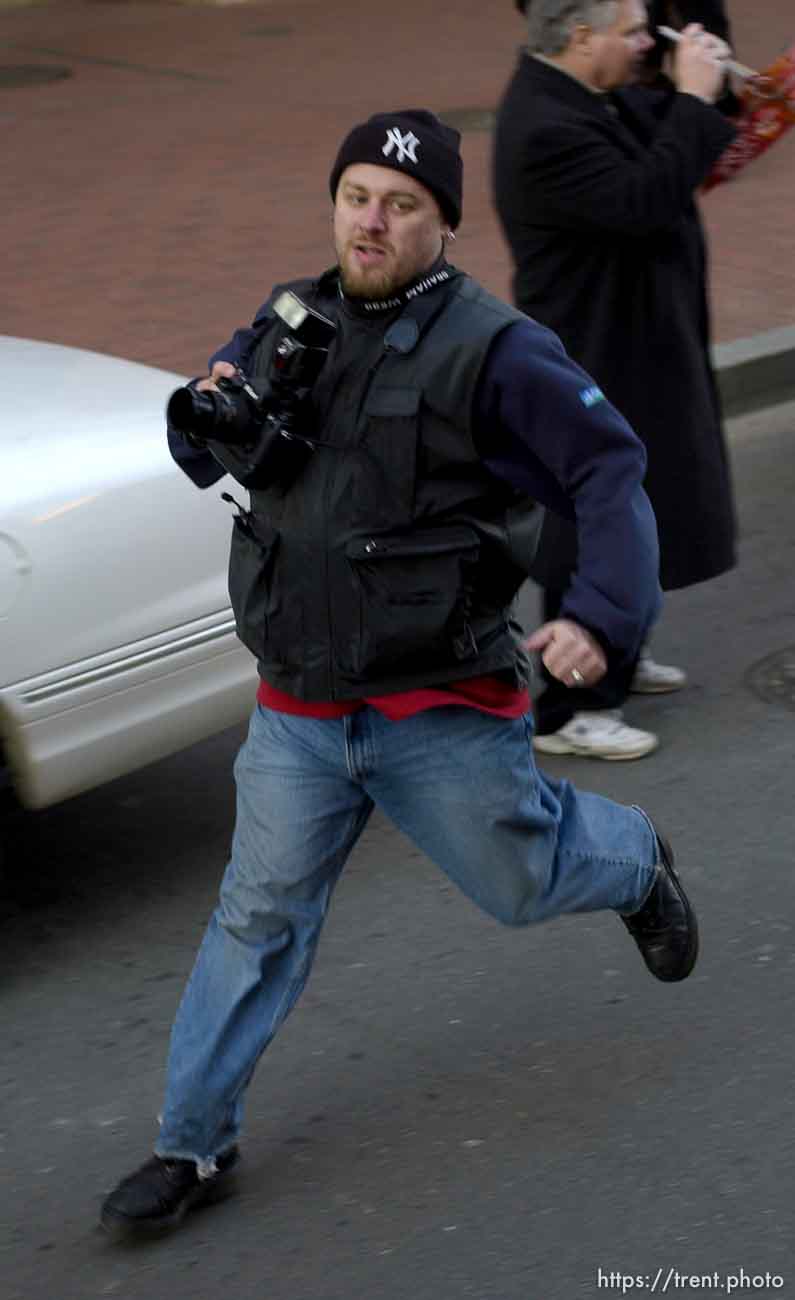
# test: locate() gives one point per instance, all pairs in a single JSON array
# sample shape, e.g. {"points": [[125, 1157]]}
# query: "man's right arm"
{"points": [[198, 462]]}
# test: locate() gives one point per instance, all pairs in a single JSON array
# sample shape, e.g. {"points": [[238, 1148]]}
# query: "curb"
{"points": [[756, 372]]}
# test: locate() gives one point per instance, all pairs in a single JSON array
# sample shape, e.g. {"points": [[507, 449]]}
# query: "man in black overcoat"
{"points": [[595, 182]]}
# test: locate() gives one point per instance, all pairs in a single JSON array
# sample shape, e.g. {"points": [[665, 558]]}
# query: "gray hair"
{"points": [[551, 23]]}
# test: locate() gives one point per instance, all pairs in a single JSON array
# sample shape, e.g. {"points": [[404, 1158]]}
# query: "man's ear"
{"points": [[581, 39]]}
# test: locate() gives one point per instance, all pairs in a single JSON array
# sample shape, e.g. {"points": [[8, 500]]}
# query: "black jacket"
{"points": [[596, 197], [540, 428], [393, 558]]}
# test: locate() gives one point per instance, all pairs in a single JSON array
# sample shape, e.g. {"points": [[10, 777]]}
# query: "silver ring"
{"points": [[577, 677]]}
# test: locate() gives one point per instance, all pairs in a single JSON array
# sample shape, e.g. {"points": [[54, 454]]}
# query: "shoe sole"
{"points": [[122, 1228], [548, 745], [667, 864]]}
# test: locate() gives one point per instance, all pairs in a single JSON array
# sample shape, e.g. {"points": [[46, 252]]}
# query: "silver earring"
{"points": [[450, 234]]}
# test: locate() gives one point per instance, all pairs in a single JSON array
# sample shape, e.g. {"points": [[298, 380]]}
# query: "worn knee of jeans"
{"points": [[248, 915]]}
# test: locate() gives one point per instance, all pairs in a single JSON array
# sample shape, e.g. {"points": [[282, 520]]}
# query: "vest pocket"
{"points": [[253, 590], [415, 594]]}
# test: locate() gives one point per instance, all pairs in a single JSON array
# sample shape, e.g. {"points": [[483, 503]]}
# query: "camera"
{"points": [[256, 427]]}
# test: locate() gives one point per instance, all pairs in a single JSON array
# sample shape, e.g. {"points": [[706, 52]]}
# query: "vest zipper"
{"points": [[329, 611]]}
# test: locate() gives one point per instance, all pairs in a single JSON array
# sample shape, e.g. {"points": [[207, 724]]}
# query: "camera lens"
{"points": [[192, 412]]}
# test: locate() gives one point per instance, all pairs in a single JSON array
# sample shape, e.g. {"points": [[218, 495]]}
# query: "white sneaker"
{"points": [[652, 678], [598, 734]]}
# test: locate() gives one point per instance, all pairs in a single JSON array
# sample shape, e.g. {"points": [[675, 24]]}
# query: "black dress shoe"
{"points": [[665, 928], [159, 1194]]}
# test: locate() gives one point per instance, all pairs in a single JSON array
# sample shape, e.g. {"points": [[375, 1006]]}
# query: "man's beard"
{"points": [[372, 282]]}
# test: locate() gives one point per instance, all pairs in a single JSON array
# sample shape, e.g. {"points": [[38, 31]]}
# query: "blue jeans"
{"points": [[461, 784]]}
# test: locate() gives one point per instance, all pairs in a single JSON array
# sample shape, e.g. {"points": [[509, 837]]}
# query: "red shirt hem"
{"points": [[488, 694]]}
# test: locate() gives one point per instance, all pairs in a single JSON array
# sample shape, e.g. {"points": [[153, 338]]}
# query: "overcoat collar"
{"points": [[629, 111], [543, 76]]}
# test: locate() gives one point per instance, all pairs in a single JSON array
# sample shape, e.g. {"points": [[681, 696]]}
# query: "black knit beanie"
{"points": [[413, 141]]}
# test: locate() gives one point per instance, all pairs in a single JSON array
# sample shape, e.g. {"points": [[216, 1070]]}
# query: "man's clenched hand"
{"points": [[569, 652]]}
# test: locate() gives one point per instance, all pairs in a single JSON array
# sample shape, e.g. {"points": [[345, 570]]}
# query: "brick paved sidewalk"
{"points": [[151, 197]]}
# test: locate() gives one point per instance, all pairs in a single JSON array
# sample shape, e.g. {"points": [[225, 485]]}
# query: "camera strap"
{"points": [[404, 333], [417, 316]]}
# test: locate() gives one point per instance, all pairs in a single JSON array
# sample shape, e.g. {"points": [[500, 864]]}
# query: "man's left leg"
{"points": [[464, 786]]}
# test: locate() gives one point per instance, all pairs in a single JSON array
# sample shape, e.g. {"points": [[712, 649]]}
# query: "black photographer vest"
{"points": [[393, 559]]}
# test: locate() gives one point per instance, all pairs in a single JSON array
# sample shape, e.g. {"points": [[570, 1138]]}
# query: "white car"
{"points": [[117, 642]]}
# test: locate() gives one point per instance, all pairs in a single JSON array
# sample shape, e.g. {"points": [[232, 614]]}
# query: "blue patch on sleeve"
{"points": [[590, 396]]}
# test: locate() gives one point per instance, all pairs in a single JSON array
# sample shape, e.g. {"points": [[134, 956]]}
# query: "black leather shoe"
{"points": [[665, 928], [159, 1194]]}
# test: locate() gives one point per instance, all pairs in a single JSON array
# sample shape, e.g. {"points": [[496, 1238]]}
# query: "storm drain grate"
{"points": [[31, 74], [773, 678], [470, 119]]}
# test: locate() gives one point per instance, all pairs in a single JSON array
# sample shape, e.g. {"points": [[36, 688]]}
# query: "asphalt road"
{"points": [[454, 1110]]}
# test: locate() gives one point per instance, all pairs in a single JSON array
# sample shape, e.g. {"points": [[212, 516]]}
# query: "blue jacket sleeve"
{"points": [[543, 425]]}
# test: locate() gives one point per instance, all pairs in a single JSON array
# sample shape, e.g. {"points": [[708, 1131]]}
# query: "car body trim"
{"points": [[88, 677]]}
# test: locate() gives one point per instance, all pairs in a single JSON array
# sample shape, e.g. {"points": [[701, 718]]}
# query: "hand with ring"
{"points": [[569, 652]]}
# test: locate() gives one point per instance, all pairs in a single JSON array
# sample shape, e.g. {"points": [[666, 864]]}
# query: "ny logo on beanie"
{"points": [[406, 145], [390, 140]]}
